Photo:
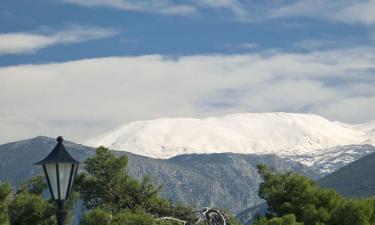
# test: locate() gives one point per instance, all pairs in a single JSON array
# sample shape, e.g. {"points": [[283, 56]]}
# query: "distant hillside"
{"points": [[224, 180], [355, 180]]}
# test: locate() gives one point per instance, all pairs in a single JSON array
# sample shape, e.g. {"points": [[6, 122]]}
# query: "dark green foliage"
{"points": [[105, 178], [127, 218], [34, 185], [26, 209], [5, 190], [26, 206], [29, 207], [103, 217], [234, 221], [293, 199], [106, 185], [289, 219], [96, 217]]}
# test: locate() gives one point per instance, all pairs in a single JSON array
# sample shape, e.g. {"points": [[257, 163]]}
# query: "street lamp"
{"points": [[60, 169]]}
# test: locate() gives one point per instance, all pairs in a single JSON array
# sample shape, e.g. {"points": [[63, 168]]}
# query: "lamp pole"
{"points": [[60, 168], [60, 213]]}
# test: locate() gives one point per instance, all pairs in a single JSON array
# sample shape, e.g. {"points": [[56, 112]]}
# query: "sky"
{"points": [[78, 68]]}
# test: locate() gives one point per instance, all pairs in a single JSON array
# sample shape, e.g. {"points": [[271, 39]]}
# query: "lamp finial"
{"points": [[60, 139]]}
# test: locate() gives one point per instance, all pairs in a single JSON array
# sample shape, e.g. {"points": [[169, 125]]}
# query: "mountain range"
{"points": [[212, 161], [224, 180], [306, 138], [227, 180]]}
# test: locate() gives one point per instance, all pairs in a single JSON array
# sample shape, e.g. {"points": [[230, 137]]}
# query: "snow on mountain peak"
{"points": [[247, 133]]}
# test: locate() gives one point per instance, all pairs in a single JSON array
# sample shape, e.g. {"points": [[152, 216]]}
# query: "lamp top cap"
{"points": [[60, 139], [58, 155]]}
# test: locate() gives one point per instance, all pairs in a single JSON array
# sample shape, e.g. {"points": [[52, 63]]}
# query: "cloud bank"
{"points": [[23, 43], [342, 11], [83, 98]]}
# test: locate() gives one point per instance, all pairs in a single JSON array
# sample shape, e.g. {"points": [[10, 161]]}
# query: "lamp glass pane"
{"points": [[74, 172], [65, 171], [52, 176]]}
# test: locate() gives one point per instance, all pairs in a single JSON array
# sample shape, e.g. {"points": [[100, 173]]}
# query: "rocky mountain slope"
{"points": [[329, 160], [224, 180], [354, 180]]}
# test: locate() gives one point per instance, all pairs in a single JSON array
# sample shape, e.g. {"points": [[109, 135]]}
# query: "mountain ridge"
{"points": [[226, 180]]}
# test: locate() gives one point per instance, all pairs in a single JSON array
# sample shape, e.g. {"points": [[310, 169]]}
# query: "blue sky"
{"points": [[226, 56], [209, 30]]}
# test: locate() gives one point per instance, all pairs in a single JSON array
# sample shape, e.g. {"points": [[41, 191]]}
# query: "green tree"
{"points": [[127, 218], [355, 212], [106, 186], [96, 217], [5, 190], [34, 185], [289, 219], [294, 199], [26, 209], [103, 217], [105, 182], [28, 205], [234, 221]]}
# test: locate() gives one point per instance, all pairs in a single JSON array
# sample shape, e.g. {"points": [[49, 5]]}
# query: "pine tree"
{"points": [[5, 190], [293, 199], [110, 193]]}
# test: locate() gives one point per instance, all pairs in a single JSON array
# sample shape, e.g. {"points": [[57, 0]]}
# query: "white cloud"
{"points": [[362, 12], [361, 106], [21, 43], [244, 46], [344, 11], [83, 98], [169, 7], [238, 9], [157, 6]]}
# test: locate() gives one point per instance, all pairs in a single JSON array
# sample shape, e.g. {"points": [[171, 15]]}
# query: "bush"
{"points": [[26, 209]]}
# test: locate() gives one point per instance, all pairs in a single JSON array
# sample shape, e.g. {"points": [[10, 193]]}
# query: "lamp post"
{"points": [[60, 168]]}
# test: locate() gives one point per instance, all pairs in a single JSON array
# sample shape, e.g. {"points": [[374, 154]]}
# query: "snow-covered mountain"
{"points": [[283, 134]]}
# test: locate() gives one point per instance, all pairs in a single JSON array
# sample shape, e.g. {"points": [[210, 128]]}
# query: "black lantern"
{"points": [[60, 169]]}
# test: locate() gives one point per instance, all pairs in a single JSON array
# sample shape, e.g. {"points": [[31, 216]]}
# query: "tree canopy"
{"points": [[293, 200], [113, 197], [28, 206], [5, 190]]}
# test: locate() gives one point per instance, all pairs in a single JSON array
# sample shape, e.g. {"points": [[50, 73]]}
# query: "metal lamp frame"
{"points": [[57, 156]]}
